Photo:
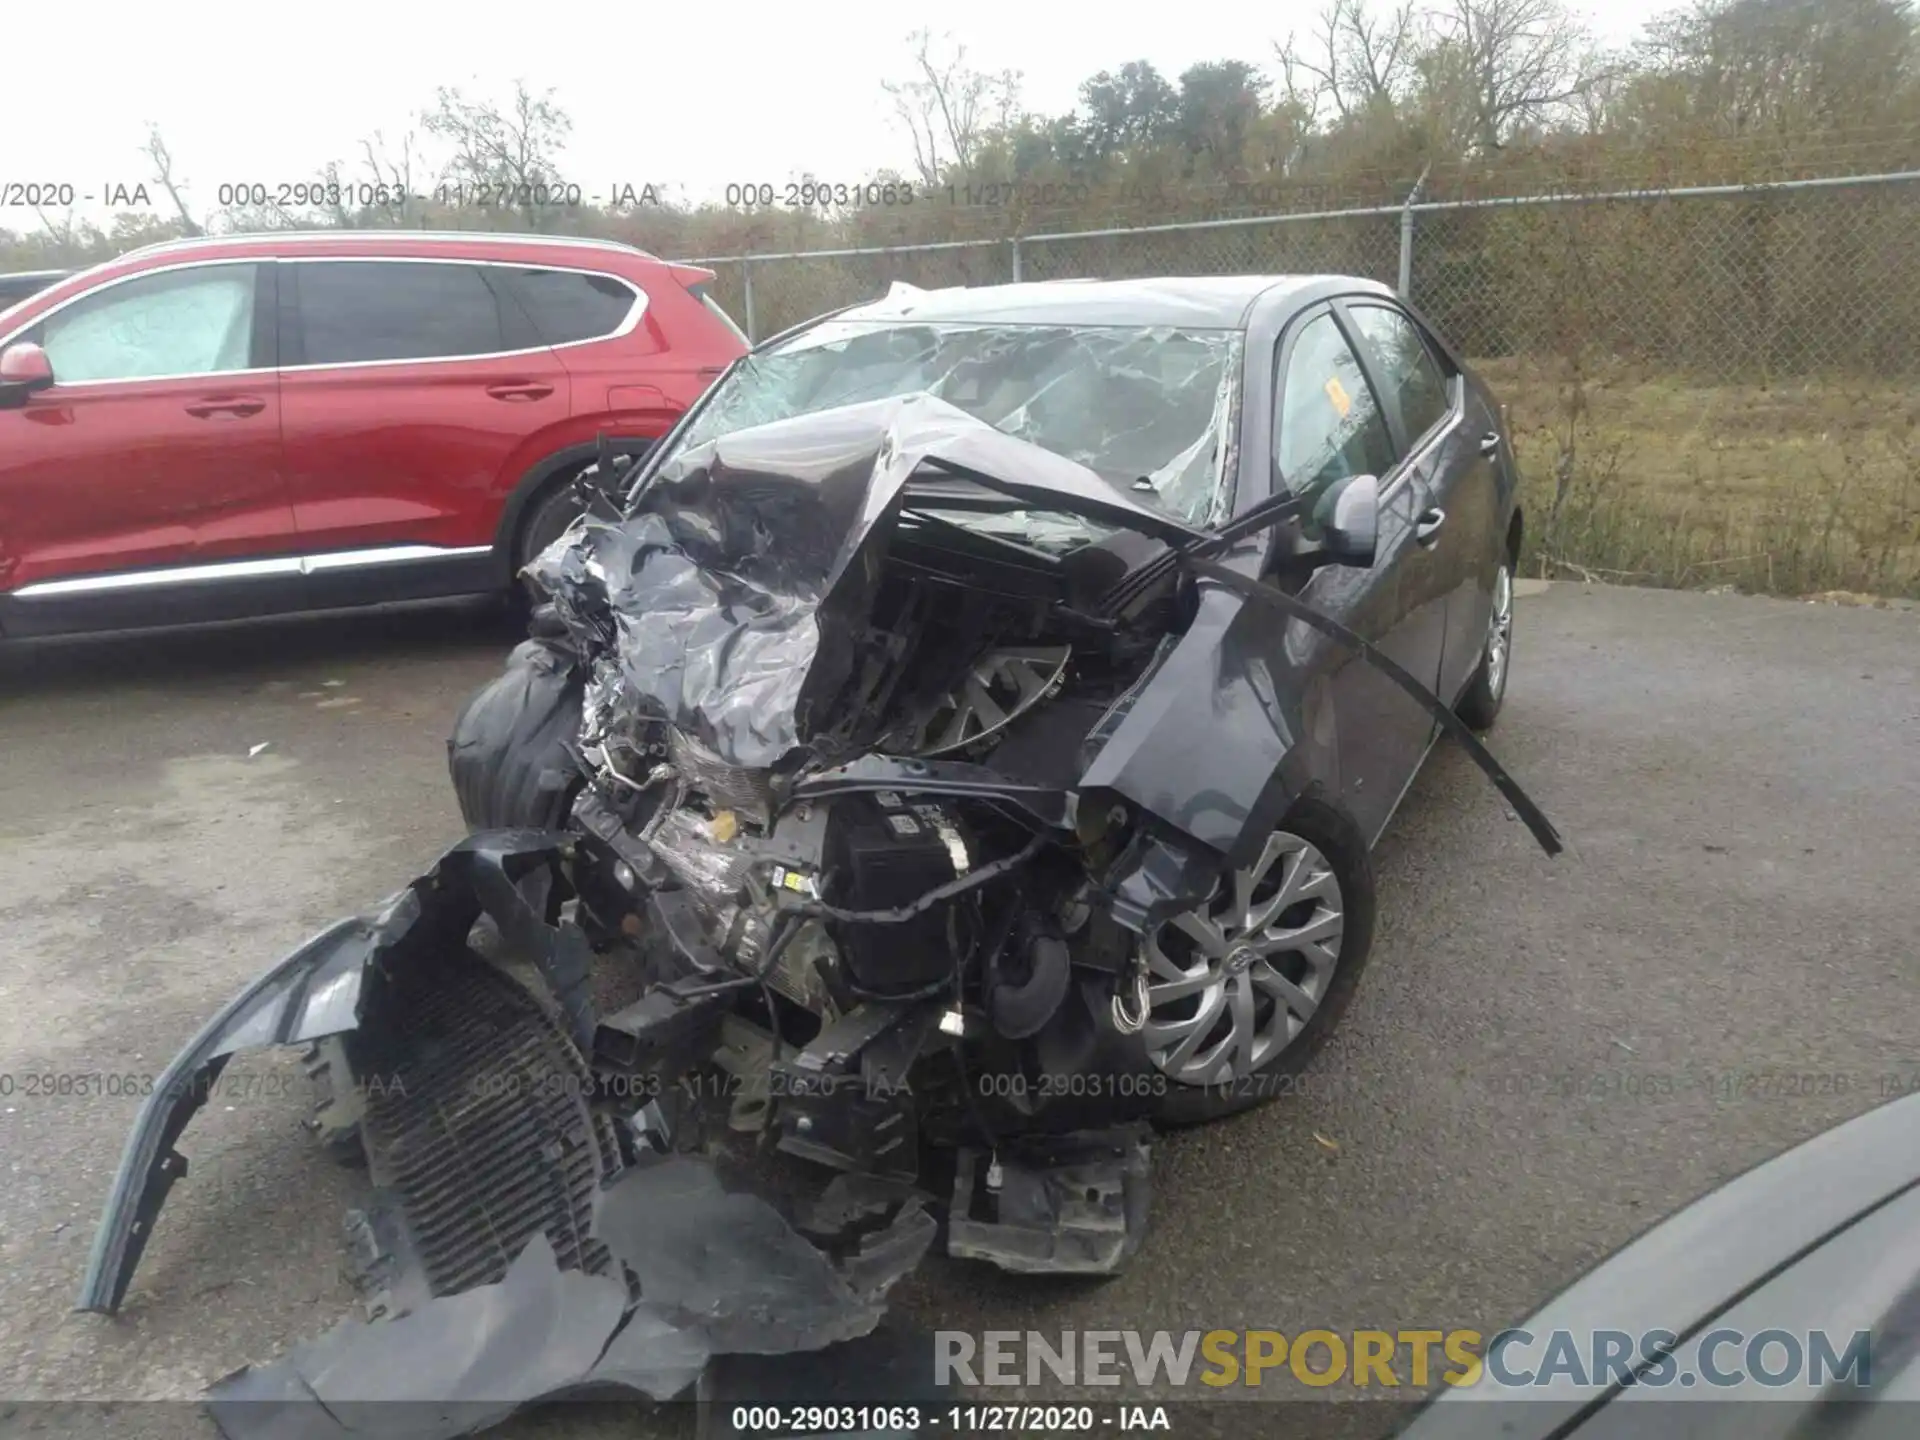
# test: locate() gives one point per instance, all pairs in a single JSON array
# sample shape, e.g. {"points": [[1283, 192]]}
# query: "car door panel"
{"points": [[1398, 605], [1430, 407], [120, 467], [392, 439], [1473, 482], [1395, 603]]}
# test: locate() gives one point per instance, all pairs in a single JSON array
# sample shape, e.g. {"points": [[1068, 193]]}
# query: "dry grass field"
{"points": [[1799, 487]]}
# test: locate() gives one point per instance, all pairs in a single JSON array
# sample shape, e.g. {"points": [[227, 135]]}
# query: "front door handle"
{"points": [[238, 405], [520, 390], [1490, 444], [1426, 529]]}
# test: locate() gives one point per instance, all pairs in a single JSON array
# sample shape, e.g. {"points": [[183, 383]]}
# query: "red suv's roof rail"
{"points": [[447, 237]]}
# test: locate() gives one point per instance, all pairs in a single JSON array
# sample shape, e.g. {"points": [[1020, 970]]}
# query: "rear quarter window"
{"points": [[567, 306]]}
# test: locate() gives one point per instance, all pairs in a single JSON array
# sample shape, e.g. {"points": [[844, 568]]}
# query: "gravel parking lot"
{"points": [[1544, 1057]]}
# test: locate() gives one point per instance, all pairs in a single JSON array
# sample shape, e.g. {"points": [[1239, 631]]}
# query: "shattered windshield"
{"points": [[1145, 408]]}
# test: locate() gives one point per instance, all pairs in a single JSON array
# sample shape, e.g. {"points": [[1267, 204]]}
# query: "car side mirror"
{"points": [[24, 369], [1349, 522]]}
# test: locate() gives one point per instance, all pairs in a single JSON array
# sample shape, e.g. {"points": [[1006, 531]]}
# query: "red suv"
{"points": [[216, 428]]}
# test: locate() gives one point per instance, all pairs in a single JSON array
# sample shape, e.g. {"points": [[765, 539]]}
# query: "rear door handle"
{"points": [[1490, 444], [238, 405], [1427, 528], [520, 390]]}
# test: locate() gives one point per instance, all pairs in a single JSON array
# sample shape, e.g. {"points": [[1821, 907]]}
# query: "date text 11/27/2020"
{"points": [[800, 1420]]}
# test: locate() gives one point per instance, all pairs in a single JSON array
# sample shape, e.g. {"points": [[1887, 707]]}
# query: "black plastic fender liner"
{"points": [[508, 754], [321, 989], [1530, 814]]}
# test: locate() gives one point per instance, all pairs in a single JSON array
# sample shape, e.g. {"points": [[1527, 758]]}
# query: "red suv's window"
{"points": [[568, 306], [196, 321], [354, 311]]}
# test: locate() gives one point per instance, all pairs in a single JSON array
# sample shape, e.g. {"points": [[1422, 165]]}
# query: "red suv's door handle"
{"points": [[519, 390], [239, 405]]}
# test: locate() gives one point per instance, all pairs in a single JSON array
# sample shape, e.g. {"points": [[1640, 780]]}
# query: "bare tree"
{"points": [[162, 158], [383, 195], [64, 234], [949, 108], [1517, 62], [510, 156], [1354, 59]]}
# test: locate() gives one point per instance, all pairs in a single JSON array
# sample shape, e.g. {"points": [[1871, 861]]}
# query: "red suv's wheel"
{"points": [[546, 520]]}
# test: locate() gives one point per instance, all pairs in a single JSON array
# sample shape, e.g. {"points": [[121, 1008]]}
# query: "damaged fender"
{"points": [[324, 988], [1531, 815]]}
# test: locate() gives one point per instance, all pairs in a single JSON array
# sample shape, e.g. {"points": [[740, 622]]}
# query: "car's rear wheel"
{"points": [[1242, 991], [1487, 691]]}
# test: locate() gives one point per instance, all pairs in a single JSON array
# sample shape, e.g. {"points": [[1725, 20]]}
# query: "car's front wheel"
{"points": [[1243, 990]]}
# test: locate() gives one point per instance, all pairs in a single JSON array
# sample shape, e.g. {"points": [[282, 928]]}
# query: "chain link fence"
{"points": [[1790, 278], [1705, 385], [1736, 283]]}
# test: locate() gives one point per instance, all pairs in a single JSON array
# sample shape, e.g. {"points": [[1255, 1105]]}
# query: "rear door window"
{"points": [[357, 311], [568, 306], [1406, 366]]}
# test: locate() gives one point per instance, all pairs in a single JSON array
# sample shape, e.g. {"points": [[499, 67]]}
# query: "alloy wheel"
{"points": [[1500, 632], [999, 687], [1231, 983]]}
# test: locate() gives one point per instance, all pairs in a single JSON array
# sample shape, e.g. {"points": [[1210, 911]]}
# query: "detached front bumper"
{"points": [[327, 987]]}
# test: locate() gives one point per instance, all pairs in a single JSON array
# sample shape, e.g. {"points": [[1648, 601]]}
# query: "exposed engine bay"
{"points": [[828, 761]]}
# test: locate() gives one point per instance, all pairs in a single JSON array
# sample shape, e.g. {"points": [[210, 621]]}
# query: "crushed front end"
{"points": [[826, 788]]}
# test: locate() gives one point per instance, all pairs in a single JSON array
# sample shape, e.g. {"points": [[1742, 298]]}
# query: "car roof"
{"points": [[409, 241], [1220, 302]]}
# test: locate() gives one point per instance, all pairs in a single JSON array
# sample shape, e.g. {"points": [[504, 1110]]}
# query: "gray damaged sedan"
{"points": [[956, 748]]}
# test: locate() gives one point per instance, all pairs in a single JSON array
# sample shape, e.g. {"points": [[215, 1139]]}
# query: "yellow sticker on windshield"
{"points": [[1337, 393]]}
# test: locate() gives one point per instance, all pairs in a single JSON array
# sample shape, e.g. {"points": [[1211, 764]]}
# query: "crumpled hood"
{"points": [[728, 601]]}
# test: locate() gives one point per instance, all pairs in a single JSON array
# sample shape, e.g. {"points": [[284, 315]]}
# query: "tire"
{"points": [[1480, 704], [1311, 828], [546, 520]]}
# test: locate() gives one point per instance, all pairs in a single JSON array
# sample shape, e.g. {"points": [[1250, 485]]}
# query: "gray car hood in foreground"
{"points": [[1825, 1237]]}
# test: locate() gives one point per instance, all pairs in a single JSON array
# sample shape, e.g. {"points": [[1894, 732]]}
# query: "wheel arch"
{"points": [[540, 480]]}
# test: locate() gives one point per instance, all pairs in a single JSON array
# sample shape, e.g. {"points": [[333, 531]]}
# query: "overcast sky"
{"points": [[698, 95]]}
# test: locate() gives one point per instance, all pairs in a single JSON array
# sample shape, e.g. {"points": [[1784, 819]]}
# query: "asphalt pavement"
{"points": [[1544, 1057]]}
